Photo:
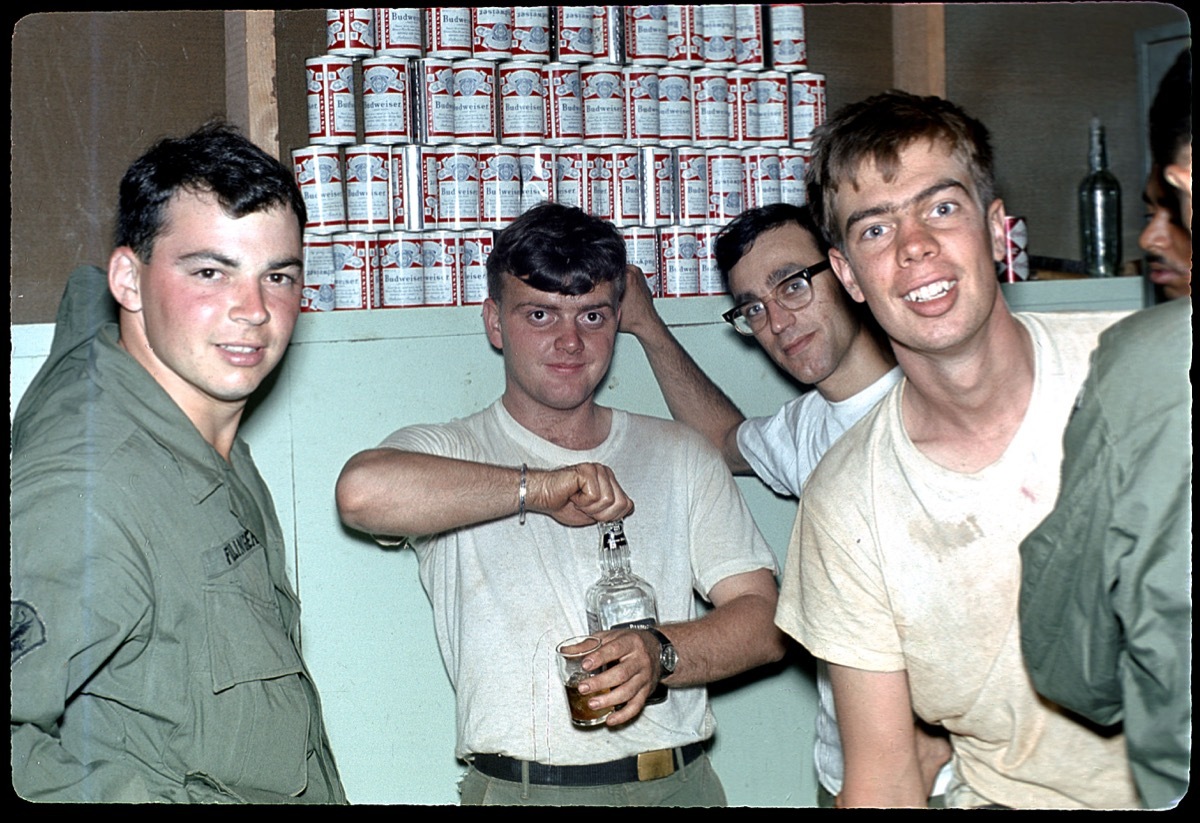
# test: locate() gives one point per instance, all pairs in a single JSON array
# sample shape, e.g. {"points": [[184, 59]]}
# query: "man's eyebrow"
{"points": [[232, 263], [776, 277], [892, 208]]}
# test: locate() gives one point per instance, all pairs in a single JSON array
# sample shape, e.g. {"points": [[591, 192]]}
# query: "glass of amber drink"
{"points": [[571, 653]]}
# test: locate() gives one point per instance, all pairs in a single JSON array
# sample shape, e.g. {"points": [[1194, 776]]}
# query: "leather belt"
{"points": [[644, 766]]}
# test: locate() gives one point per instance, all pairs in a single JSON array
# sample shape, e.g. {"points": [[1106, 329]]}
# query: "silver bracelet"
{"points": [[521, 495]]}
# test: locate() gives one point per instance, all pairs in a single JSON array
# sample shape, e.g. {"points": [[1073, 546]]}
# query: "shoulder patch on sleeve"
{"points": [[27, 632]]}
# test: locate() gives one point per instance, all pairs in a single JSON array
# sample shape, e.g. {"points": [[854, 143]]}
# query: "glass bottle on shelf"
{"points": [[1100, 211], [620, 599]]}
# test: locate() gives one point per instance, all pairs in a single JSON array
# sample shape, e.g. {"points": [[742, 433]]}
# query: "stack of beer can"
{"points": [[666, 120]]}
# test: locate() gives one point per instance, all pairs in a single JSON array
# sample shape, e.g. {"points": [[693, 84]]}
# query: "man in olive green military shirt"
{"points": [[155, 636]]}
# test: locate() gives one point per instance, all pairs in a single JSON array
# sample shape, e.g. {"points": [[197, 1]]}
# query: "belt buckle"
{"points": [[656, 764]]}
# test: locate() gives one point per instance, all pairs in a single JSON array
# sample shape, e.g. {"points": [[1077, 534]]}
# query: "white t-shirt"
{"points": [[783, 449], [897, 563], [505, 595]]}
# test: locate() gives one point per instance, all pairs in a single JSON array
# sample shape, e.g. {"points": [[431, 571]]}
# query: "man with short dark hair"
{"points": [[492, 504], [155, 648], [903, 571]]}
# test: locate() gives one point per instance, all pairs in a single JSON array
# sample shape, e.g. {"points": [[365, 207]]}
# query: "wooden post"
{"points": [[250, 99], [919, 48]]}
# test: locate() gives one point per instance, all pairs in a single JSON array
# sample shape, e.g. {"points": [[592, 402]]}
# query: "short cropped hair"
{"points": [[215, 158], [559, 249], [739, 235], [879, 128], [1171, 112]]}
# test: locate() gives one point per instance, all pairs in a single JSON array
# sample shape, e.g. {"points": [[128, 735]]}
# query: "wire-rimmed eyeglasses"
{"points": [[793, 292]]}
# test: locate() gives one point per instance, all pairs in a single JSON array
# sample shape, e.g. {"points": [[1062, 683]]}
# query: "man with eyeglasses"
{"points": [[785, 296]]}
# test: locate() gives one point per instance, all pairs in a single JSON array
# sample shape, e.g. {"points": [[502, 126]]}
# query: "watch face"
{"points": [[668, 659]]}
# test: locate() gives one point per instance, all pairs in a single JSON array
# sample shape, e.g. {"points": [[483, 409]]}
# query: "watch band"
{"points": [[668, 658]]}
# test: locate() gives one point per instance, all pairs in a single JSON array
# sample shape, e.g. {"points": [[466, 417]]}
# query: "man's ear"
{"points": [[995, 218], [845, 273], [491, 323], [124, 278]]}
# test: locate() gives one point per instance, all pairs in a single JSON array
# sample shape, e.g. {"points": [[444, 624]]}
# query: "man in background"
{"points": [[1167, 237]]}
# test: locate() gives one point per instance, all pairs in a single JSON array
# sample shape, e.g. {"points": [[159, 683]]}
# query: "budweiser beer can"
{"points": [[401, 283], [350, 32], [434, 109], [318, 172], [762, 176], [685, 46], [808, 104], [769, 123], [639, 86], [710, 106], [476, 245], [531, 33], [539, 172], [410, 210], [748, 29], [789, 50], [455, 176], [522, 103], [491, 32], [741, 94], [368, 201], [646, 35], [726, 184], [793, 162], [692, 185], [675, 106], [398, 32], [439, 254], [564, 104], [353, 268], [618, 190], [386, 104], [448, 32], [318, 291], [679, 271], [603, 104], [499, 185], [574, 40], [330, 81], [641, 250], [719, 25], [659, 200], [475, 101], [708, 274], [608, 34], [1016, 251], [576, 168]]}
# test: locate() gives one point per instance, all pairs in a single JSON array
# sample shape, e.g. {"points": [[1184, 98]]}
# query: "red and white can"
{"points": [[769, 123], [434, 109], [748, 29], [726, 184], [1016, 250], [793, 162], [719, 25], [808, 104], [454, 176], [710, 106], [708, 274], [531, 33], [641, 250], [603, 104], [398, 32], [491, 32], [386, 104], [762, 176], [656, 165], [675, 106], [317, 294], [368, 201], [646, 35], [448, 32], [679, 271], [409, 208], [350, 32], [789, 48], [522, 103], [499, 185], [608, 28], [440, 254], [685, 38], [401, 283], [476, 245], [741, 96], [691, 165], [475, 101], [354, 285], [639, 87], [576, 168], [539, 172], [330, 83], [318, 173], [564, 104], [617, 189], [574, 39]]}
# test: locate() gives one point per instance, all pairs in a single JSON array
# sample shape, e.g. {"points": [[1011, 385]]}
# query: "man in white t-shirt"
{"points": [[494, 503], [903, 570], [776, 265]]}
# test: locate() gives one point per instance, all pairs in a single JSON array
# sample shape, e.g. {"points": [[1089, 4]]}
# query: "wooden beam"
{"points": [[250, 99], [919, 48]]}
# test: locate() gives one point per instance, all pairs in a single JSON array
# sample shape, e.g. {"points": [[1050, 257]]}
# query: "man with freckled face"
{"points": [[903, 570], [497, 506]]}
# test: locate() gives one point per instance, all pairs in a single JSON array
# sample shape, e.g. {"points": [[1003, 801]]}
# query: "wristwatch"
{"points": [[667, 658]]}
